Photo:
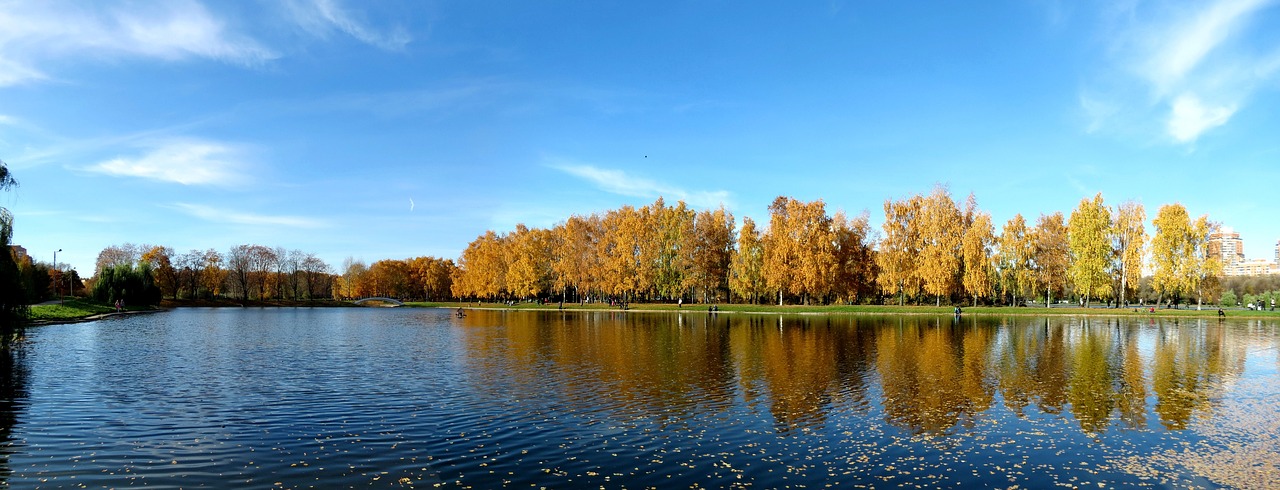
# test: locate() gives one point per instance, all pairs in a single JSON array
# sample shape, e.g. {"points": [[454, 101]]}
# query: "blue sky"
{"points": [[314, 124]]}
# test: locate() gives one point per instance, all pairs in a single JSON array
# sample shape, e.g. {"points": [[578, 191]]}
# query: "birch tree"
{"points": [[939, 260], [1089, 237], [1015, 258], [1129, 237], [1169, 246], [747, 276], [1052, 254], [976, 251], [899, 248]]}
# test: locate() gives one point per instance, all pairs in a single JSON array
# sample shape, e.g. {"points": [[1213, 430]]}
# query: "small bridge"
{"points": [[380, 299]]}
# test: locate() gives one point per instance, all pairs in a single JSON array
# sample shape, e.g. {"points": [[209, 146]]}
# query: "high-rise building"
{"points": [[1278, 252], [1227, 246]]}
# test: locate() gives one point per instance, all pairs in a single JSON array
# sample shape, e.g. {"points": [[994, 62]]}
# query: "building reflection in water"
{"points": [[926, 375]]}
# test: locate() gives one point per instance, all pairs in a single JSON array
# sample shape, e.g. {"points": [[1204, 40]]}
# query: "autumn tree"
{"points": [[672, 250], [1205, 270], [900, 247], [622, 251], [117, 256], [799, 250], [709, 251], [482, 269], [317, 277], [976, 245], [1052, 254], [780, 254], [1089, 241], [747, 276], [1017, 252], [529, 262], [188, 266], [352, 279], [386, 278], [938, 264], [855, 265], [163, 273], [240, 268], [262, 261], [574, 259], [1169, 259], [212, 273], [1128, 238]]}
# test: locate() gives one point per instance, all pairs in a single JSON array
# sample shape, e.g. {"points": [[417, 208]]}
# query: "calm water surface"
{"points": [[328, 398]]}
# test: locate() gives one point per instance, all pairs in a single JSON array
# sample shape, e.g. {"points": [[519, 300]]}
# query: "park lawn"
{"points": [[1186, 311], [73, 309]]}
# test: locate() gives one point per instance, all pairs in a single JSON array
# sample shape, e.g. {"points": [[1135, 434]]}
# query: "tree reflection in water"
{"points": [[14, 376], [935, 375]]}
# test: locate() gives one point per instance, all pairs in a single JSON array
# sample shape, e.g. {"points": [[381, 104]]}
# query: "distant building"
{"points": [[1254, 267], [1226, 245], [19, 253], [1277, 252]]}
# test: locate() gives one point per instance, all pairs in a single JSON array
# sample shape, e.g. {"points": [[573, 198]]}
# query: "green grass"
{"points": [[73, 309], [1208, 311]]}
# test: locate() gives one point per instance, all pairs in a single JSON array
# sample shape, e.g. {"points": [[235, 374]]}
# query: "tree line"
{"points": [[256, 272], [930, 249], [244, 272]]}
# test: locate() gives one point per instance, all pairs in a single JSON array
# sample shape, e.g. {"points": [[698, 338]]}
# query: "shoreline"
{"points": [[861, 310], [873, 310]]}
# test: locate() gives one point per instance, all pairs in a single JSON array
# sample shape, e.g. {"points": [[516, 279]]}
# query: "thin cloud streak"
{"points": [[209, 213], [321, 17], [187, 162], [621, 183]]}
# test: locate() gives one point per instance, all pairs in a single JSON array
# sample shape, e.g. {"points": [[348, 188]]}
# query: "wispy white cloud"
{"points": [[622, 183], [322, 17], [209, 213], [1190, 117], [1190, 67], [188, 162], [32, 33]]}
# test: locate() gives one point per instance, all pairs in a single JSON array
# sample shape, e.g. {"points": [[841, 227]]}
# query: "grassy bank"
{"points": [[74, 308], [1207, 312]]}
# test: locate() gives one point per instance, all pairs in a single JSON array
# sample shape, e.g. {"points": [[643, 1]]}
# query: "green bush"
{"points": [[1228, 299]]}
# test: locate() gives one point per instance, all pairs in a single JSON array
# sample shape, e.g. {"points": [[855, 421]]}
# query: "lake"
{"points": [[360, 397]]}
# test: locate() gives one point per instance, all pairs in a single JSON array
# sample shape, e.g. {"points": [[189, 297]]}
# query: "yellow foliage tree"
{"points": [[799, 251], [529, 261], [1052, 254], [747, 276], [940, 224], [900, 248], [976, 246], [575, 260], [709, 250], [1089, 237], [482, 269], [1169, 260], [1017, 252], [1205, 270], [1129, 237]]}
